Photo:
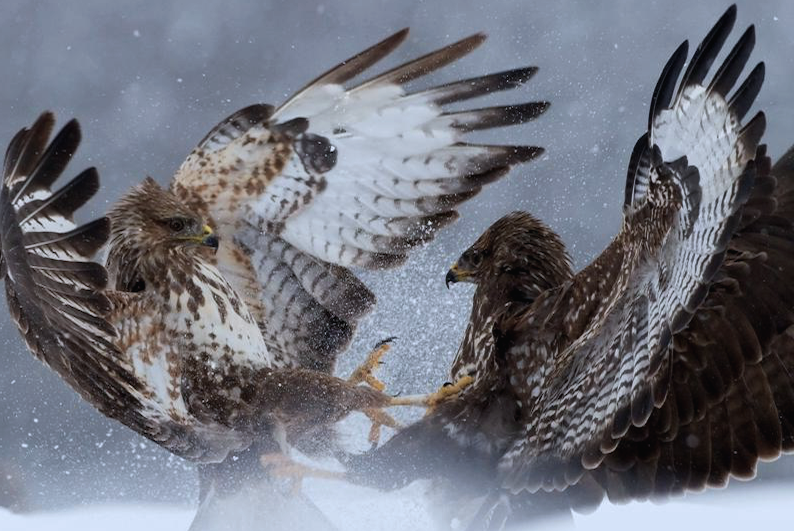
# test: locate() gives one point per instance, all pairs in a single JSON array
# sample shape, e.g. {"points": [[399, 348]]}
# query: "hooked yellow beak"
{"points": [[208, 238], [455, 274]]}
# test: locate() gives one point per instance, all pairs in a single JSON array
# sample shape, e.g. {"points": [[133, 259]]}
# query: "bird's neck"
{"points": [[133, 270]]}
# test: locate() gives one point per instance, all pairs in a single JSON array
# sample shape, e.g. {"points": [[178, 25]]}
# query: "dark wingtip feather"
{"points": [[708, 49], [355, 65], [351, 67], [27, 146], [76, 192], [665, 86], [429, 62], [35, 166], [57, 155], [751, 133], [489, 117], [89, 238], [520, 154], [733, 65], [479, 86], [745, 95], [489, 176], [638, 159]]}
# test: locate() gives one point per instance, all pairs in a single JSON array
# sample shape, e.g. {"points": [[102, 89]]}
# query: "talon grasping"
{"points": [[448, 390], [431, 400]]}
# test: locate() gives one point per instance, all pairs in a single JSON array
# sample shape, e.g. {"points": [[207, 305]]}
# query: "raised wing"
{"points": [[57, 295], [731, 395], [340, 177], [401, 164], [689, 177]]}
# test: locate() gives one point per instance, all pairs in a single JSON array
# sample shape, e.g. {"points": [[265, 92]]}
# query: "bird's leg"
{"points": [[379, 419], [282, 465], [366, 371], [432, 400]]}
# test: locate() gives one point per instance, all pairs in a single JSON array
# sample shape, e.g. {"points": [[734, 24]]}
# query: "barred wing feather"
{"points": [[624, 309], [346, 175], [58, 296]]}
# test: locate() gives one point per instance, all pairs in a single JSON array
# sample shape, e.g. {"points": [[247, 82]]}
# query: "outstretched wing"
{"points": [[339, 177], [691, 175], [57, 295], [731, 395]]}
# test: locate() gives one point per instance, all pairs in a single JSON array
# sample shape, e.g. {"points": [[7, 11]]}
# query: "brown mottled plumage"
{"points": [[227, 289], [663, 366], [520, 257], [176, 315], [168, 347]]}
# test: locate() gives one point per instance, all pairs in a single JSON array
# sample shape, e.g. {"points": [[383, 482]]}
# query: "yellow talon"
{"points": [[281, 465], [433, 399], [379, 418], [447, 391], [365, 371]]}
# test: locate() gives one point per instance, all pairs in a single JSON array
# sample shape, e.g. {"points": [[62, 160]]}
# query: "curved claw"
{"points": [[386, 341]]}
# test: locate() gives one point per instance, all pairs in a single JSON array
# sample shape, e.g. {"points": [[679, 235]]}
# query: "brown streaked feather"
{"points": [[741, 416]]}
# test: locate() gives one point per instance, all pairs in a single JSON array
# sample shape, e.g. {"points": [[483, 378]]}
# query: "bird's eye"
{"points": [[475, 259], [176, 224]]}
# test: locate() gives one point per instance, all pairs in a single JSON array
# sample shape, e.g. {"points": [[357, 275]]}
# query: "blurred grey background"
{"points": [[147, 80]]}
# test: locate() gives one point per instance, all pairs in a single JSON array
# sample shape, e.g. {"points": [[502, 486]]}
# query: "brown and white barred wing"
{"points": [[609, 378], [731, 396], [309, 307], [347, 176], [401, 164], [54, 290], [57, 295]]}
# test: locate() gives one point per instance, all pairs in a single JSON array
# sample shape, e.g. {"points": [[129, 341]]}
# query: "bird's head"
{"points": [[156, 220], [517, 248], [151, 229]]}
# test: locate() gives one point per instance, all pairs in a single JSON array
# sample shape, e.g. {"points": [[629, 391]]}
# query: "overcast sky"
{"points": [[148, 80]]}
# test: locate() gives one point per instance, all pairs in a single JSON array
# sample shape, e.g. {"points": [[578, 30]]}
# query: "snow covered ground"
{"points": [[759, 506]]}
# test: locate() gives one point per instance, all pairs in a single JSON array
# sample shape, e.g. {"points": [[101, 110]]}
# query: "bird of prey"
{"points": [[663, 366], [225, 297]]}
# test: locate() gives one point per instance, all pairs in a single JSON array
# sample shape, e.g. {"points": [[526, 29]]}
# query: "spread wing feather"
{"points": [[730, 400], [693, 172], [308, 305], [45, 256], [57, 295], [347, 176]]}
